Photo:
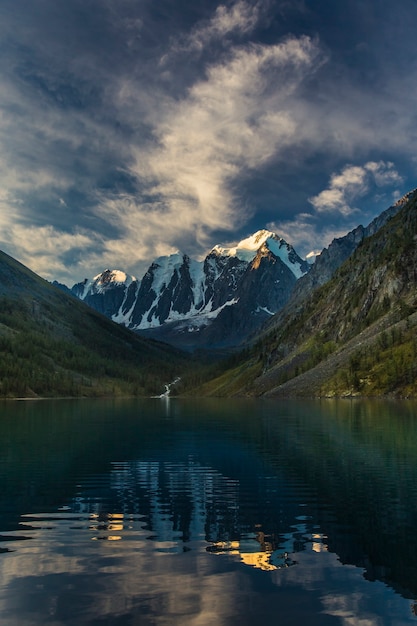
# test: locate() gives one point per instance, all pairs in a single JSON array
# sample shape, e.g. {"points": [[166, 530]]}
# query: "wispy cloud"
{"points": [[234, 120], [231, 122], [105, 147], [354, 182], [239, 18], [184, 153], [51, 251], [306, 231]]}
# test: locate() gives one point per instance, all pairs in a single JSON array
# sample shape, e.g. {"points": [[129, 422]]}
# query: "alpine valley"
{"points": [[218, 303], [349, 328], [344, 326]]}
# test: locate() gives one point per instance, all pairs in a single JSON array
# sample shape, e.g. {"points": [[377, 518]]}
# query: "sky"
{"points": [[130, 129]]}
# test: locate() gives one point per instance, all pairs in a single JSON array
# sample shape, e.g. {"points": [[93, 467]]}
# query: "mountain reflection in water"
{"points": [[208, 512]]}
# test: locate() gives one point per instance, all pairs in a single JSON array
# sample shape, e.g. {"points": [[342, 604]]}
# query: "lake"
{"points": [[208, 512]]}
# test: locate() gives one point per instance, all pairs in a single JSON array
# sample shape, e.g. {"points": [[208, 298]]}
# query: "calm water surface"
{"points": [[208, 513]]}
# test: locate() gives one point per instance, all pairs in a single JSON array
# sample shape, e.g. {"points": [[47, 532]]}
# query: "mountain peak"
{"points": [[187, 296], [255, 241], [113, 276], [172, 259], [246, 249]]}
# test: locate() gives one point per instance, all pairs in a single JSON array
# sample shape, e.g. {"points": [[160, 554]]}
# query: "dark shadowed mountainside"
{"points": [[51, 344]]}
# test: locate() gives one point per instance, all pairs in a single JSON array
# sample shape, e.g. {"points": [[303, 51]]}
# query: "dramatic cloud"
{"points": [[307, 232], [47, 248], [239, 18], [352, 183], [129, 130], [231, 122]]}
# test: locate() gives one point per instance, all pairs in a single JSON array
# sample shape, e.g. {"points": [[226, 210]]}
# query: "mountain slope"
{"points": [[51, 344], [213, 303], [356, 334], [331, 258]]}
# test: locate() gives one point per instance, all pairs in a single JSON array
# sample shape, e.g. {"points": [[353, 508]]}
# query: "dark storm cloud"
{"points": [[130, 128]]}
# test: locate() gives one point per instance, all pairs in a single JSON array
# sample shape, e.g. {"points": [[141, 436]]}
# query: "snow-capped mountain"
{"points": [[110, 292], [217, 301]]}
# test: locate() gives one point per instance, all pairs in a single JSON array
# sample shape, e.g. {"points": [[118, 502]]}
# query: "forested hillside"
{"points": [[355, 335], [53, 345]]}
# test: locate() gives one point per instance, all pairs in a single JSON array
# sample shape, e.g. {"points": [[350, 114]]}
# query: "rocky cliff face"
{"points": [[109, 293], [220, 302], [213, 303], [331, 258], [357, 333]]}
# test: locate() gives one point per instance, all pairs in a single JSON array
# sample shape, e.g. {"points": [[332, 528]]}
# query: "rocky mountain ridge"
{"points": [[222, 301], [216, 302], [331, 258], [353, 335]]}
